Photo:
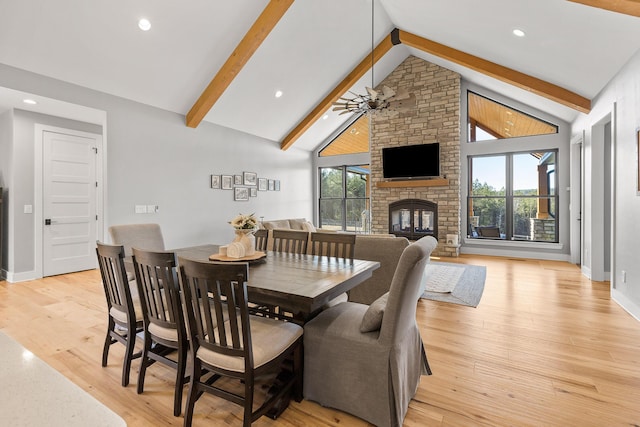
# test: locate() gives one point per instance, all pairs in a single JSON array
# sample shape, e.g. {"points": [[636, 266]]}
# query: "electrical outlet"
{"points": [[152, 208], [624, 276]]}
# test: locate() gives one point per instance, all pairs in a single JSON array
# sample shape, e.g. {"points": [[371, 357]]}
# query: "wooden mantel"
{"points": [[439, 182]]}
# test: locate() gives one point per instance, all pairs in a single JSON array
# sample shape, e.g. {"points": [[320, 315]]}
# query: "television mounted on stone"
{"points": [[411, 161]]}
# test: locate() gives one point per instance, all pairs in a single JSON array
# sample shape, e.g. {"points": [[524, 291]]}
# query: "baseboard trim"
{"points": [[629, 306], [21, 277]]}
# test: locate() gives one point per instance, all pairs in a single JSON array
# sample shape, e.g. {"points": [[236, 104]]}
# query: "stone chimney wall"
{"points": [[436, 118]]}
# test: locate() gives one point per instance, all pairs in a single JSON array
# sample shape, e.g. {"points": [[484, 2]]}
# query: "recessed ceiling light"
{"points": [[325, 117], [29, 101], [278, 93], [518, 32], [144, 24]]}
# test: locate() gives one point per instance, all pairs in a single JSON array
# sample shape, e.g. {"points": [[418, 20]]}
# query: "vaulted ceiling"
{"points": [[222, 62]]}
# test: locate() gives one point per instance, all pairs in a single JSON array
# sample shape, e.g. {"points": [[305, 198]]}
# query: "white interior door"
{"points": [[69, 202]]}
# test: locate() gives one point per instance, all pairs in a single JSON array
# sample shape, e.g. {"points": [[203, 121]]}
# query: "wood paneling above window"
{"points": [[354, 139]]}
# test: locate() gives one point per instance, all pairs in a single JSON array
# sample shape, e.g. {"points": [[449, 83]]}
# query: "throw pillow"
{"points": [[308, 226], [372, 319]]}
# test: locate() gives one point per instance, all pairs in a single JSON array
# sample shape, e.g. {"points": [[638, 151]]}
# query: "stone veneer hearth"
{"points": [[436, 118]]}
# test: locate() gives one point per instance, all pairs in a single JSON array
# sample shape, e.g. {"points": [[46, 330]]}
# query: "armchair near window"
{"points": [[367, 360]]}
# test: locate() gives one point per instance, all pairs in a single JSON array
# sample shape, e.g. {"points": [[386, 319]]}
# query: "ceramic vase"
{"points": [[248, 240]]}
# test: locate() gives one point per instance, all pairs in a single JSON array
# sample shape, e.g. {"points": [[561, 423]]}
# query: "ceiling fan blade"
{"points": [[402, 94], [387, 93], [403, 104], [373, 94]]}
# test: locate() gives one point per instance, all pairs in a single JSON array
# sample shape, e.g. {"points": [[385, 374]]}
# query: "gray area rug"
{"points": [[455, 283]]}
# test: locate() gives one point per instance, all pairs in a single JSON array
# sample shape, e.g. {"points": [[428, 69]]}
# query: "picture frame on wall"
{"points": [[253, 192], [241, 194], [226, 182], [237, 180], [250, 178], [215, 181], [262, 184], [272, 185], [277, 185]]}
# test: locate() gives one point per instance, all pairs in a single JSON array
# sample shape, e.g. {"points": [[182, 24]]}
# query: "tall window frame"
{"points": [[501, 213], [344, 204]]}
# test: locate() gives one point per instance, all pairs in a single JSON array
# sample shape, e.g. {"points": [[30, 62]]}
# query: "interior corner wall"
{"points": [[620, 100], [6, 173], [436, 118], [154, 159]]}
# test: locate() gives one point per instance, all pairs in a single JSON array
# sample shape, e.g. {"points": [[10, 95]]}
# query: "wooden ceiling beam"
{"points": [[352, 78], [258, 32], [627, 7], [507, 75]]}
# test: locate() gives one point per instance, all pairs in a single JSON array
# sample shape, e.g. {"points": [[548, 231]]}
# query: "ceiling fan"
{"points": [[385, 100]]}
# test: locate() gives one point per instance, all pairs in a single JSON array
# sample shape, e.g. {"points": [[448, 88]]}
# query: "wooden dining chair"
{"points": [[262, 237], [229, 342], [123, 305], [164, 326], [290, 241], [336, 245]]}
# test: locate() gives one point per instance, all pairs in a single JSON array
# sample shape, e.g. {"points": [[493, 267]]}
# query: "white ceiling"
{"points": [[97, 44]]}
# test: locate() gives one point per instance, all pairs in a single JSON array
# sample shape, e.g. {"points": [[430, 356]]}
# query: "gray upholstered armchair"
{"points": [[367, 360], [147, 237]]}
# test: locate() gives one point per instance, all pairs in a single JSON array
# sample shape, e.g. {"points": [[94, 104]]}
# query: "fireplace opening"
{"points": [[413, 218]]}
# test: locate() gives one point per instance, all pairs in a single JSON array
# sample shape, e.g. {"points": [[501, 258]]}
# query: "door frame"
{"points": [[576, 198], [38, 207]]}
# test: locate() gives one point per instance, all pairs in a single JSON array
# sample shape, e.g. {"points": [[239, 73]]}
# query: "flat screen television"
{"points": [[411, 161]]}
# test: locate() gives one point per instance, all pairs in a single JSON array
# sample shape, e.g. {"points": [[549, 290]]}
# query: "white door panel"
{"points": [[69, 203]]}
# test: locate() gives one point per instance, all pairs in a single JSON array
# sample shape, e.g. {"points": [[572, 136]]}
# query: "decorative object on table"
{"points": [[245, 226], [227, 182], [215, 181], [250, 178], [237, 180], [241, 194], [262, 184], [455, 283]]}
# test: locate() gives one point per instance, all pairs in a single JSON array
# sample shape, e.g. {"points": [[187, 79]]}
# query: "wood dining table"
{"points": [[299, 284]]}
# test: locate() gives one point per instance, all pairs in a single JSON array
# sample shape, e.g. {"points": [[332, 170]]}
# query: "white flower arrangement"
{"points": [[244, 222]]}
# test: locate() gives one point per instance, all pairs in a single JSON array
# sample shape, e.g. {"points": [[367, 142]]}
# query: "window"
{"points": [[513, 196], [344, 198], [488, 120]]}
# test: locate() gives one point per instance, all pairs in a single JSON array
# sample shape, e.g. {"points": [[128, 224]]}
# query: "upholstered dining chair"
{"points": [[142, 236], [262, 237], [227, 341], [124, 309], [164, 325], [337, 245], [367, 360], [290, 241]]}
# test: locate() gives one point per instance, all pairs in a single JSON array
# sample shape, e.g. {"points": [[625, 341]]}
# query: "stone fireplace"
{"points": [[436, 118], [413, 218]]}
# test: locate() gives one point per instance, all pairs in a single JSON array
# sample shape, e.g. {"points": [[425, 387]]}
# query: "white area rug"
{"points": [[455, 283]]}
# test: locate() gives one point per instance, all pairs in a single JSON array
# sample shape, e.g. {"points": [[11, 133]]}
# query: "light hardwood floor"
{"points": [[545, 347]]}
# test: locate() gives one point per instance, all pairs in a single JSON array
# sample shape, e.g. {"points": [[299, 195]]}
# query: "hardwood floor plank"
{"points": [[545, 346]]}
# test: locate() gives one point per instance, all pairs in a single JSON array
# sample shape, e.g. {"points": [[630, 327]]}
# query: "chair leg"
{"points": [[248, 402], [298, 360], [177, 399], [193, 392], [107, 342], [143, 362], [128, 357]]}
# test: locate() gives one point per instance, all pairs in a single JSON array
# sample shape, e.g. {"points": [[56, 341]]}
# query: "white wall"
{"points": [[621, 101], [153, 158]]}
